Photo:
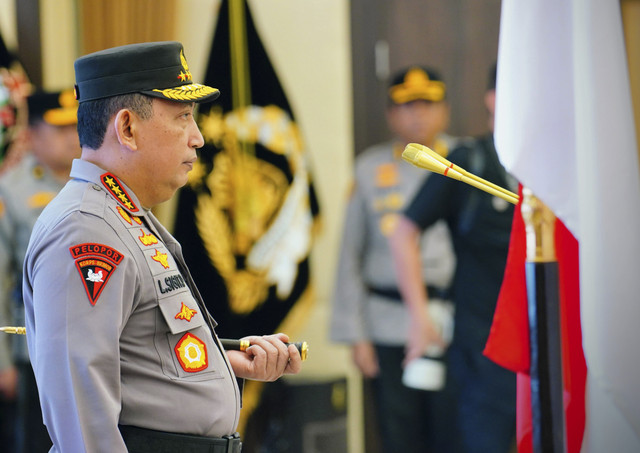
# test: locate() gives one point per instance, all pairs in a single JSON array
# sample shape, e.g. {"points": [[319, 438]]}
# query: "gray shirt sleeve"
{"points": [[75, 343]]}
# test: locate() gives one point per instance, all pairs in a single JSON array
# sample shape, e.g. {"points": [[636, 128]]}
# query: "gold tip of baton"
{"points": [[423, 157], [14, 330], [243, 345]]}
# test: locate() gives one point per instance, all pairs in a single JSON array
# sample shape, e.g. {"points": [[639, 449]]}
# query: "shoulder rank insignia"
{"points": [[186, 313], [115, 188], [96, 263], [191, 353]]}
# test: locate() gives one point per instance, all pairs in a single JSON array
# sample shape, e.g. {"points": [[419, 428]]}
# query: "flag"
{"points": [[508, 343], [564, 128], [245, 218]]}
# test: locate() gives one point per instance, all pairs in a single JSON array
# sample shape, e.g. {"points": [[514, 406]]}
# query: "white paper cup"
{"points": [[425, 373]]}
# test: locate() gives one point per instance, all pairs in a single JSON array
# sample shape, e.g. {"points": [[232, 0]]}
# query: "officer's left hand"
{"points": [[266, 359]]}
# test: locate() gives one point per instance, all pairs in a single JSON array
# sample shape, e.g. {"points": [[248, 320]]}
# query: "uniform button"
{"points": [[96, 187]]}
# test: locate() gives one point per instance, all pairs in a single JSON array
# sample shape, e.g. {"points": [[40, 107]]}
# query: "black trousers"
{"points": [[412, 421]]}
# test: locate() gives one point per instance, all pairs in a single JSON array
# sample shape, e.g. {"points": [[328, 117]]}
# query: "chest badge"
{"points": [[147, 239], [95, 263], [191, 353], [161, 258], [115, 188], [186, 313]]}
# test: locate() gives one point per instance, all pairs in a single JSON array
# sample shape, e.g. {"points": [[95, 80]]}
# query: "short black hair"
{"points": [[94, 116]]}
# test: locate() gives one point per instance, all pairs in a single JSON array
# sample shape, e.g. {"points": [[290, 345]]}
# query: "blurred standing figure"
{"points": [[24, 192], [480, 226], [368, 312]]}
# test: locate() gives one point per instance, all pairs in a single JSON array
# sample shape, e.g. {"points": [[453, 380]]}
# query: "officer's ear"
{"points": [[124, 125]]}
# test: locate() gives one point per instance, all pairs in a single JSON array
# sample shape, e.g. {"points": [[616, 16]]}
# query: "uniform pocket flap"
{"points": [[181, 312]]}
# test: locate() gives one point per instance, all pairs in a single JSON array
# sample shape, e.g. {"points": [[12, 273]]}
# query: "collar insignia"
{"points": [[185, 313], [115, 188], [124, 215]]}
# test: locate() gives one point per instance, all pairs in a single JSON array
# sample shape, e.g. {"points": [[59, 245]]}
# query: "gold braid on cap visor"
{"points": [[190, 92]]}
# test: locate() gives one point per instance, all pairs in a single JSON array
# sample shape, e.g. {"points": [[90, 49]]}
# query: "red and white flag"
{"points": [[564, 128]]}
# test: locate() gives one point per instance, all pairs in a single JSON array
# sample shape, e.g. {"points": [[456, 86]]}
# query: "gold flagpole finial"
{"points": [[539, 223]]}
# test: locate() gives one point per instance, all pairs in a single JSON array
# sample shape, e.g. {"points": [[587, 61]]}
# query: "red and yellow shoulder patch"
{"points": [[191, 353], [115, 188], [95, 263]]}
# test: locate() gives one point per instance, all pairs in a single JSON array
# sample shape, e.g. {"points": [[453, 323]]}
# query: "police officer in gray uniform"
{"points": [[124, 351], [25, 190], [367, 311]]}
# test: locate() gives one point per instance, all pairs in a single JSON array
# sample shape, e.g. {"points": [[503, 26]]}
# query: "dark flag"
{"points": [[245, 219]]}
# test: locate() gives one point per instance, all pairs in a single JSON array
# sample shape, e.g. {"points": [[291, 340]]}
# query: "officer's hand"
{"points": [[8, 383], [365, 358], [266, 359], [423, 333]]}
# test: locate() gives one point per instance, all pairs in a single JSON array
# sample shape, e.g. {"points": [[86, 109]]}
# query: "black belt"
{"points": [[394, 294], [140, 440]]}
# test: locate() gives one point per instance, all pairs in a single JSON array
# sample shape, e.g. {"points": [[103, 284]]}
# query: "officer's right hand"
{"points": [[423, 333], [266, 359], [365, 358]]}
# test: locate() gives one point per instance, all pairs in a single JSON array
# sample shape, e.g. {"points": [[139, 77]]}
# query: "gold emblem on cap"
{"points": [[417, 85], [185, 75]]}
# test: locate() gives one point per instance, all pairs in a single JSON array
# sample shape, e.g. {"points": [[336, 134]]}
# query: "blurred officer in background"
{"points": [[367, 311], [480, 226], [25, 189]]}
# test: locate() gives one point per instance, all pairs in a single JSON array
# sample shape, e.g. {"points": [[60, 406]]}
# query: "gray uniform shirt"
{"points": [[117, 331], [384, 185], [24, 192]]}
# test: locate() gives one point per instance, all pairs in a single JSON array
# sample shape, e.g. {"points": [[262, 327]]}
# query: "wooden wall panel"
{"points": [[457, 37], [111, 23]]}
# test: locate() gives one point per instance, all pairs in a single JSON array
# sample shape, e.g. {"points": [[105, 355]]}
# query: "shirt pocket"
{"points": [[184, 341]]}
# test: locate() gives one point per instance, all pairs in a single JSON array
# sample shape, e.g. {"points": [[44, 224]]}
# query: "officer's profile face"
{"points": [[418, 121], [167, 144], [54, 146]]}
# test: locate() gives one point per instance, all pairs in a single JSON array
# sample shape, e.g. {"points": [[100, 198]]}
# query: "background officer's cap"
{"points": [[156, 69], [58, 108], [417, 83]]}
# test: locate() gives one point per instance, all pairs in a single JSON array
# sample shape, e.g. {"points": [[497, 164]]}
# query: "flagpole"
{"points": [[544, 327]]}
